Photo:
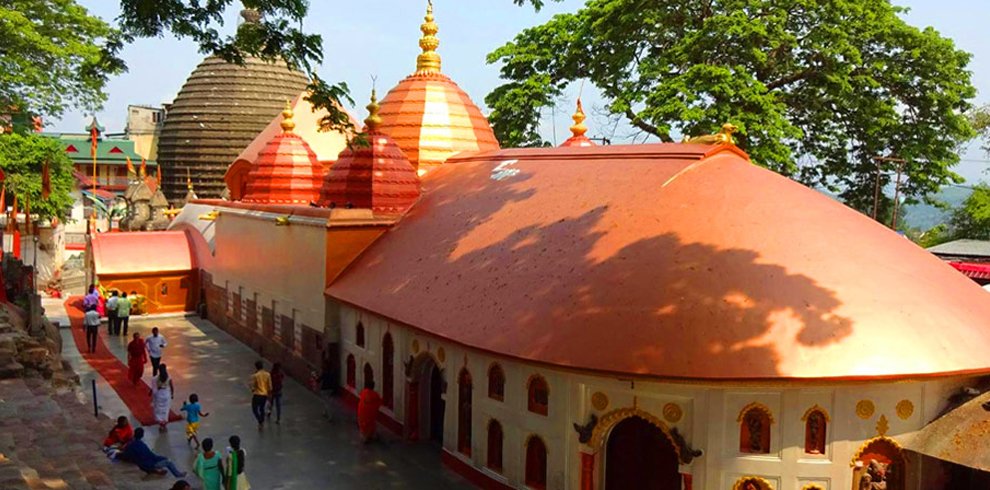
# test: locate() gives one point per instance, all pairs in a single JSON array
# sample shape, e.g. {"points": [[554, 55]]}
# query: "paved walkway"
{"points": [[304, 452]]}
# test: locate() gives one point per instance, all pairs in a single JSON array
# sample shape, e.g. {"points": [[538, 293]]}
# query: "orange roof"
{"points": [[142, 252], [377, 176], [670, 261], [286, 170]]}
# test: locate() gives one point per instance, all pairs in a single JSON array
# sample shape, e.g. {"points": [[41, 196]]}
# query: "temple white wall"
{"points": [[706, 414], [283, 270]]}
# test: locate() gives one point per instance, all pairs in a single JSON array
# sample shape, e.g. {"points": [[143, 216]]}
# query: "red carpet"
{"points": [[136, 397]]}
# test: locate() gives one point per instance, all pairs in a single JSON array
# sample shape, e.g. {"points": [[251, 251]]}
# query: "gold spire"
{"points": [[428, 61], [373, 120], [578, 128], [287, 123]]}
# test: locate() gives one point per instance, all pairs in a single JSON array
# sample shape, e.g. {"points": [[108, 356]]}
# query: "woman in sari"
{"points": [[236, 479], [137, 356], [161, 399], [209, 466]]}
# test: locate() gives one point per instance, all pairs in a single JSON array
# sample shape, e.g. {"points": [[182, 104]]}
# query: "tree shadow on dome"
{"points": [[517, 279]]}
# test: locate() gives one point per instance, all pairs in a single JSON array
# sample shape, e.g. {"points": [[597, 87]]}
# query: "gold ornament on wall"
{"points": [[672, 413], [599, 400], [441, 355], [415, 346], [905, 409], [882, 426], [812, 486], [865, 409]]}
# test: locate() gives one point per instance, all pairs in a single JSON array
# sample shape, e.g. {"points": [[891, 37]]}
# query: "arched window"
{"points": [[815, 425], [351, 371], [536, 463], [494, 446], [360, 334], [539, 395], [369, 374], [754, 429], [388, 369], [464, 412], [496, 383]]}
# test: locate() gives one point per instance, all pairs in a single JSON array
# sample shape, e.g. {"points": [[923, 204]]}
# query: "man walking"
{"points": [[123, 313], [261, 388], [112, 327], [91, 320], [155, 344]]}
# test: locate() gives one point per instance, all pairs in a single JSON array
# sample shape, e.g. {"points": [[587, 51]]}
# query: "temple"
{"points": [[654, 316]]}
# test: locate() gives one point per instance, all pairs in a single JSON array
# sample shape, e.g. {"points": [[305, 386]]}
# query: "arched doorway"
{"points": [[639, 455], [435, 404], [388, 368], [881, 459], [424, 400]]}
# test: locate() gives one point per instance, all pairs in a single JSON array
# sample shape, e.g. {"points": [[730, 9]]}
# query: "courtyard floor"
{"points": [[304, 452]]}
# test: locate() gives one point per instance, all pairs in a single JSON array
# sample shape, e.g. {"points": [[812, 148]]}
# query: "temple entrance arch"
{"points": [[425, 399], [879, 463], [638, 455]]}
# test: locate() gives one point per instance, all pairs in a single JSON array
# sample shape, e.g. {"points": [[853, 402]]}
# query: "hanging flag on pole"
{"points": [[130, 168], [158, 175], [94, 134], [144, 168]]}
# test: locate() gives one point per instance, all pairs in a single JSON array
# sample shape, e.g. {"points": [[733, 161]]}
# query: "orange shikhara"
{"points": [[286, 170], [428, 115]]}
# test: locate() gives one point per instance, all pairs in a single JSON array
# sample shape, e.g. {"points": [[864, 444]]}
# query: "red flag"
{"points": [[93, 136], [159, 175], [130, 167], [144, 168], [46, 181]]}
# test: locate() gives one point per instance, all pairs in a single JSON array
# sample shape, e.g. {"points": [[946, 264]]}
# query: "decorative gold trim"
{"points": [[761, 481], [865, 409], [415, 346], [441, 355], [672, 413], [599, 401], [812, 486], [609, 420], [754, 405], [804, 418], [867, 443], [905, 409], [882, 426]]}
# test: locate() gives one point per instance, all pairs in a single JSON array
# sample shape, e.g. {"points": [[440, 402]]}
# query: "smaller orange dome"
{"points": [[376, 176], [578, 129], [286, 170]]}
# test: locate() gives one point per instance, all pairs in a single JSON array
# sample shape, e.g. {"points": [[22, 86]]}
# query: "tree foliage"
{"points": [[972, 219], [54, 55], [980, 119], [832, 83], [22, 158]]}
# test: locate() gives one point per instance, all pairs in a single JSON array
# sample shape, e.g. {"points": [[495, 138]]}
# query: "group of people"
{"points": [[217, 472], [117, 309], [266, 392]]}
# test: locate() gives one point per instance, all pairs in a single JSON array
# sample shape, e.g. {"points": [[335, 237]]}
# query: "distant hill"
{"points": [[924, 216]]}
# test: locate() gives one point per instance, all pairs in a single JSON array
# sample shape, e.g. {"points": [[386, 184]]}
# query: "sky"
{"points": [[379, 38]]}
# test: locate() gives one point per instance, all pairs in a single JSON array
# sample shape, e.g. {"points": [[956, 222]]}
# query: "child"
{"points": [[193, 412]]}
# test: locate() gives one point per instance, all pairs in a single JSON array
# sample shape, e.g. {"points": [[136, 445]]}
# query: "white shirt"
{"points": [[91, 319], [112, 304], [155, 345]]}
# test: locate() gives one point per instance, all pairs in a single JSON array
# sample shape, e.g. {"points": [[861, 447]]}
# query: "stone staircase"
{"points": [[49, 439]]}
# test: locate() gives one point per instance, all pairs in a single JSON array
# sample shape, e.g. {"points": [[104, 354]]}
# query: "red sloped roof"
{"points": [[666, 261], [142, 252], [972, 269]]}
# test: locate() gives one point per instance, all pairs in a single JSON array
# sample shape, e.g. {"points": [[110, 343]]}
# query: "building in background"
{"points": [[144, 126], [971, 257]]}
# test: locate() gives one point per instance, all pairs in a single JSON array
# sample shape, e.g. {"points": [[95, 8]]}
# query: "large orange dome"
{"points": [[429, 116]]}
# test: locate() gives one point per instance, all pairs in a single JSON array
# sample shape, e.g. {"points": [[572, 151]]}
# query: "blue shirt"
{"points": [[137, 452], [192, 412]]}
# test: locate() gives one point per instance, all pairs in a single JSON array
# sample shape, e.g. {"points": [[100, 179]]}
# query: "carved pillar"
{"points": [[587, 471], [412, 410]]}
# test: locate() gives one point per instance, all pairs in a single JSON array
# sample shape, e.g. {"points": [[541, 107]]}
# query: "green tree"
{"points": [[972, 219], [22, 158], [980, 119], [54, 55], [832, 83]]}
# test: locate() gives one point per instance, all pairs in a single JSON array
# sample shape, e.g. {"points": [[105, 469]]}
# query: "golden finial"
{"points": [[723, 137], [373, 120], [428, 61], [287, 124], [578, 128]]}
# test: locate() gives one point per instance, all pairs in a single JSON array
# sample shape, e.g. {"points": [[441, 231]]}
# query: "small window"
{"points": [[494, 462], [539, 395], [496, 383], [815, 425], [369, 374], [754, 430], [536, 463], [351, 371], [360, 334]]}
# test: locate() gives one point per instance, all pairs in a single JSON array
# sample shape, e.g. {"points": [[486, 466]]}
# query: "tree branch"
{"points": [[801, 75], [635, 120]]}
